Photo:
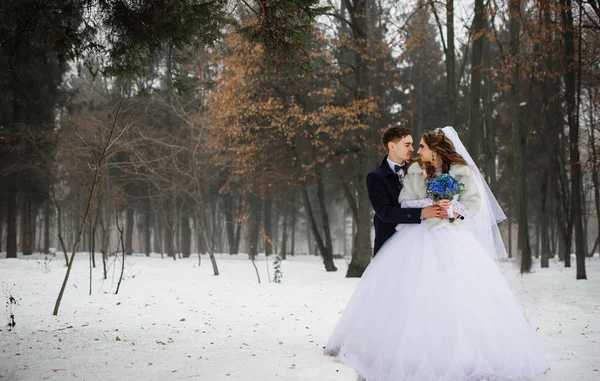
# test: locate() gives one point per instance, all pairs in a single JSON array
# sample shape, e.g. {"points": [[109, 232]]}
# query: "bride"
{"points": [[433, 304]]}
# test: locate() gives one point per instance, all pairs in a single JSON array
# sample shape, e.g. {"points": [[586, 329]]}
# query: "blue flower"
{"points": [[443, 187]]}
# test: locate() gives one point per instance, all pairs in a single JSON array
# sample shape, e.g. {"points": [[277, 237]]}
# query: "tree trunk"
{"points": [[594, 157], [87, 210], [275, 209], [211, 254], [61, 241], [26, 233], [147, 230], [284, 235], [268, 224], [417, 97], [39, 232], [186, 234], [554, 241], [585, 207], [293, 231], [231, 224], [11, 213], [158, 234], [450, 62], [545, 223], [344, 235], [47, 211], [572, 118], [361, 247], [565, 226], [200, 248], [478, 38], [490, 128], [552, 106], [310, 245], [324, 213], [361, 253], [129, 231], [33, 212], [85, 241], [2, 217], [93, 230], [326, 254], [177, 229], [213, 241], [519, 140], [168, 234], [564, 216], [238, 236], [253, 226], [562, 249], [238, 224], [537, 247]]}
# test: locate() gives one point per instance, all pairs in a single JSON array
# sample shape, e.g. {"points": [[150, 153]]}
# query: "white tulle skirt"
{"points": [[432, 306]]}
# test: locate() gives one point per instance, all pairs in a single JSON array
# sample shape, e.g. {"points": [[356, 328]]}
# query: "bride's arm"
{"points": [[459, 208], [469, 200], [422, 203], [408, 196]]}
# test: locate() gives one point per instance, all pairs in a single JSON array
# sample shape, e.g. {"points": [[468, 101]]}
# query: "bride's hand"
{"points": [[444, 204]]}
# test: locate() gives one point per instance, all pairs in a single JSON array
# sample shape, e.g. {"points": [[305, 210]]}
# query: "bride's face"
{"points": [[424, 152]]}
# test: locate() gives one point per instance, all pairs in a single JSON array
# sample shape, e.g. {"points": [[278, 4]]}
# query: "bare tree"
{"points": [[519, 139], [571, 65], [113, 136], [450, 53], [478, 39]]}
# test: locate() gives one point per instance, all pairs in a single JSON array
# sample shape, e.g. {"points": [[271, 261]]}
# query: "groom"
{"points": [[384, 184]]}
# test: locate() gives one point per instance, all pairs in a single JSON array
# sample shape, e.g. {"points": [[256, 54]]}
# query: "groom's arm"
{"points": [[383, 207]]}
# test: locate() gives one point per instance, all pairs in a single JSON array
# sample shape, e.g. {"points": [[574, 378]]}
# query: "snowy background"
{"points": [[174, 320]]}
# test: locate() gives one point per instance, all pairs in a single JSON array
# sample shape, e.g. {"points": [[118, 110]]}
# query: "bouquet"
{"points": [[444, 187]]}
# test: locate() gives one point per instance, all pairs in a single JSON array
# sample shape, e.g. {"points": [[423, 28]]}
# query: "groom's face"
{"points": [[401, 150]]}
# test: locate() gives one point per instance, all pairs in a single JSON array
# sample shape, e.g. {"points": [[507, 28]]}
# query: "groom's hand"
{"points": [[444, 204], [433, 212]]}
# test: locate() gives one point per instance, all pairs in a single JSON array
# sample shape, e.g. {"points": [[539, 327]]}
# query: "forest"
{"points": [[201, 127]]}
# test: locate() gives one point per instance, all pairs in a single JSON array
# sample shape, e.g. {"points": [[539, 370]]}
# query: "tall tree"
{"points": [[478, 39], [309, 119], [34, 40], [571, 65], [450, 53], [359, 30], [422, 75], [519, 138]]}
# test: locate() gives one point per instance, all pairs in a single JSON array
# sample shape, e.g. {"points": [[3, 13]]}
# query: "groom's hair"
{"points": [[395, 134]]}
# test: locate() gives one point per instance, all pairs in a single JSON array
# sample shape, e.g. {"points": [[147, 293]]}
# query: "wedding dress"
{"points": [[434, 306]]}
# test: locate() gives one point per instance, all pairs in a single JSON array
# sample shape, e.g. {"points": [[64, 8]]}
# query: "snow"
{"points": [[174, 320]]}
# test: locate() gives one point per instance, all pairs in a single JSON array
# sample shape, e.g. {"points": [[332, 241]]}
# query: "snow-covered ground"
{"points": [[174, 320]]}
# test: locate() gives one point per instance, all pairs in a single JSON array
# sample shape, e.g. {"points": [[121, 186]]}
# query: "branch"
{"points": [[349, 6], [87, 210], [339, 18], [252, 9], [439, 24]]}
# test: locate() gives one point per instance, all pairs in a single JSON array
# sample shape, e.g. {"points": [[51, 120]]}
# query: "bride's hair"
{"points": [[437, 141]]}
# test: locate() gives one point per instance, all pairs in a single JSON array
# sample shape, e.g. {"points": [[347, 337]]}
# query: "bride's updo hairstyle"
{"points": [[437, 141]]}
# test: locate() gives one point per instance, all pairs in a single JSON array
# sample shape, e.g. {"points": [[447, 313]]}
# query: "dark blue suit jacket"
{"points": [[384, 188]]}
